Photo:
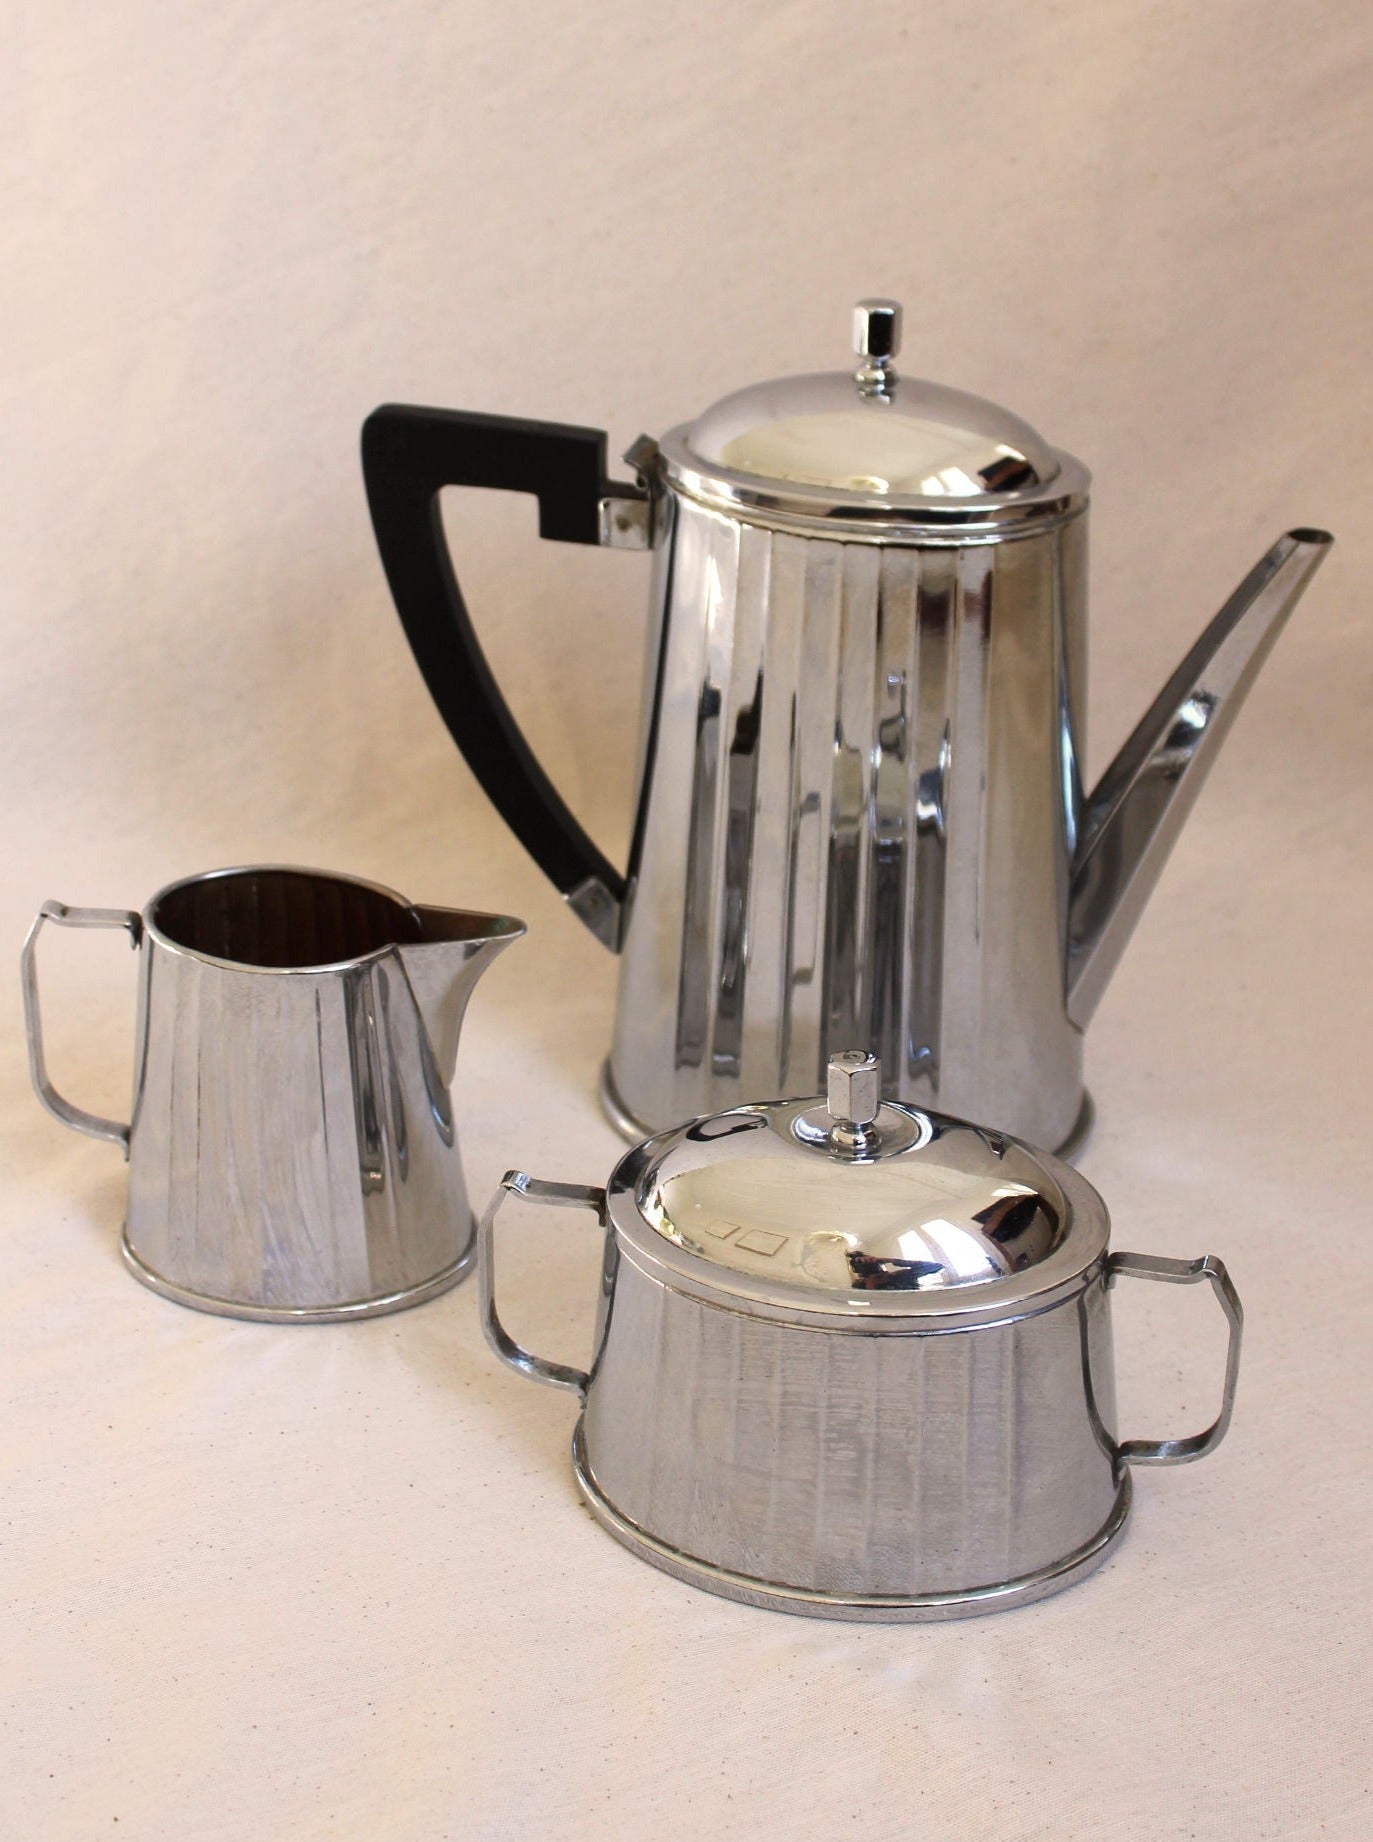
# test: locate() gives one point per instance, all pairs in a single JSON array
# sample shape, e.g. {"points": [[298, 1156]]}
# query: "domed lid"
{"points": [[849, 1203], [872, 434]]}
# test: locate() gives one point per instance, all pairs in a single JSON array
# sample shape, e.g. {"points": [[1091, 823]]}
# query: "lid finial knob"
{"points": [[876, 340], [853, 1094]]}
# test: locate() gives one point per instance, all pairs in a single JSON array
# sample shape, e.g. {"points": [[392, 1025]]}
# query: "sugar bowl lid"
{"points": [[872, 437], [852, 1205]]}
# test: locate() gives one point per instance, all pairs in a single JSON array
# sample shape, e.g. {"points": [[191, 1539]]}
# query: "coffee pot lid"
{"points": [[872, 434], [847, 1197]]}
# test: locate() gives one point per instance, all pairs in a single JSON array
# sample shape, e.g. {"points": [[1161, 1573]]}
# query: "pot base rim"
{"points": [[867, 1608], [341, 1313]]}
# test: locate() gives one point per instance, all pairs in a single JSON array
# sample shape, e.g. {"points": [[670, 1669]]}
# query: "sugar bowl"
{"points": [[854, 1359]]}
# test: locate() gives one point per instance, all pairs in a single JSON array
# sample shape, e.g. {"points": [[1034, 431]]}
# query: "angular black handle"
{"points": [[409, 455]]}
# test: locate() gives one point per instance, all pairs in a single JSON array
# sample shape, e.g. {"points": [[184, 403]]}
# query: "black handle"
{"points": [[408, 455]]}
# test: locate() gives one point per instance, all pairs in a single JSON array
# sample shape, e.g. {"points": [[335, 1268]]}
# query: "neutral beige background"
{"points": [[336, 1583]]}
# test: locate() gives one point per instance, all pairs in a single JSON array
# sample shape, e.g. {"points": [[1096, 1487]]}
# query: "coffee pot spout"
{"points": [[1132, 820], [455, 947]]}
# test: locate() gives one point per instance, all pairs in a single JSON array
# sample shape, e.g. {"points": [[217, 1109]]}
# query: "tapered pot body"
{"points": [[859, 788]]}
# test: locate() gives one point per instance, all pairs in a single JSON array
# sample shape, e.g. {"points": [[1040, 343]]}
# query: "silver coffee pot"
{"points": [[860, 815]]}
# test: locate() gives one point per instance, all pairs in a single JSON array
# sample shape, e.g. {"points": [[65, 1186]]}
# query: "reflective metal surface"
{"points": [[851, 1604], [77, 1117], [861, 814], [627, 516], [801, 1197], [872, 435], [876, 340], [292, 1148], [853, 512], [853, 1093], [1132, 820], [951, 1450], [856, 821], [1186, 1273]]}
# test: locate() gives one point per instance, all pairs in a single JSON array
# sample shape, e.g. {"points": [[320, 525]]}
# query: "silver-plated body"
{"points": [[915, 1442], [860, 809], [854, 824], [861, 815], [292, 1148]]}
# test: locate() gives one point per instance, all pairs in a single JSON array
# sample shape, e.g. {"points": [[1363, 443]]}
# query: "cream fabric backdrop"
{"points": [[271, 1583]]}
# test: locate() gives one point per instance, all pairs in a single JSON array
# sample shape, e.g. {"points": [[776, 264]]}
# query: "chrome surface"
{"points": [[876, 340], [1186, 1273], [374, 1306], [627, 1124], [873, 517], [785, 1204], [65, 916], [898, 1465], [889, 1129], [628, 516], [880, 442], [293, 1152], [626, 524], [861, 815], [934, 1458], [1081, 1132], [1132, 820], [634, 1129], [877, 328], [853, 1090], [598, 909], [856, 1607]]}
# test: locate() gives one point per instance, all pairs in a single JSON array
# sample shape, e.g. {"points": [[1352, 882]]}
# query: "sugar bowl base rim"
{"points": [[861, 1608]]}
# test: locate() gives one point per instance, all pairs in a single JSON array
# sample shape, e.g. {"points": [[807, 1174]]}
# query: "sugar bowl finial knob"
{"points": [[876, 340], [853, 1090]]}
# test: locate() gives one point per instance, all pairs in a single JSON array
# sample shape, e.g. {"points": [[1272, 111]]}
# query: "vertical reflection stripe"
{"points": [[695, 998], [930, 758], [740, 740], [891, 874], [964, 817]]}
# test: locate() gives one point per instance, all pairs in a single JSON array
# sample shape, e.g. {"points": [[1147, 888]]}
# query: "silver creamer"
{"points": [[293, 1153]]}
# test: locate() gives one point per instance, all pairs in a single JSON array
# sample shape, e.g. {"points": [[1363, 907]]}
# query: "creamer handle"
{"points": [[70, 1115]]}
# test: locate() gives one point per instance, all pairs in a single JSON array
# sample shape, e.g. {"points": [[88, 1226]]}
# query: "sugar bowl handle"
{"points": [[70, 1115], [1185, 1273], [558, 1195]]}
